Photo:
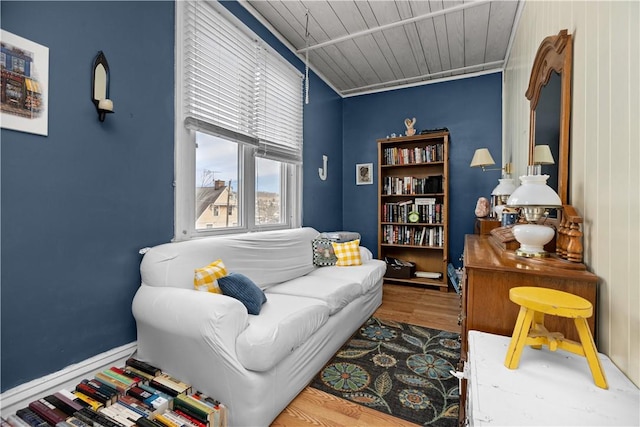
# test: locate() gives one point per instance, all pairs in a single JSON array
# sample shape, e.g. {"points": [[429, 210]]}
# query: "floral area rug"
{"points": [[399, 369]]}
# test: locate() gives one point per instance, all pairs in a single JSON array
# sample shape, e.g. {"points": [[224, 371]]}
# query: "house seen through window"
{"points": [[218, 193]]}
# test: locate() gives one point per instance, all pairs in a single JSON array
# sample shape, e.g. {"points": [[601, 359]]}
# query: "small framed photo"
{"points": [[364, 173]]}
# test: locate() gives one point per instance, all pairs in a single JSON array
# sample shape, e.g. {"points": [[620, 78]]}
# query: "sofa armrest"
{"points": [[188, 315], [365, 254]]}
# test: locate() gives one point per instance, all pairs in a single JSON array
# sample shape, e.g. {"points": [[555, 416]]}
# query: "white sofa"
{"points": [[254, 364]]}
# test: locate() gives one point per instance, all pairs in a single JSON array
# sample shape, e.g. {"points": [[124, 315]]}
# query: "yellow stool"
{"points": [[529, 330]]}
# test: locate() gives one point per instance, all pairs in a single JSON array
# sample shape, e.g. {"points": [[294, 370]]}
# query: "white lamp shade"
{"points": [[542, 155], [505, 187], [482, 157], [534, 191]]}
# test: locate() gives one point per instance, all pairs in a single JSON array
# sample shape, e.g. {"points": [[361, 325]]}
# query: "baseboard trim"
{"points": [[20, 396]]}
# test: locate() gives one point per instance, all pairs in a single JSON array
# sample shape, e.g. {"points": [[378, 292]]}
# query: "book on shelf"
{"points": [[165, 421], [173, 385], [134, 377], [14, 420], [92, 418], [206, 413], [31, 418], [136, 405], [98, 391], [72, 422], [146, 422], [153, 390], [67, 406], [90, 401], [47, 411], [190, 417], [155, 400], [143, 366], [120, 375], [395, 156], [114, 383], [120, 414], [432, 236], [181, 420], [130, 370]]}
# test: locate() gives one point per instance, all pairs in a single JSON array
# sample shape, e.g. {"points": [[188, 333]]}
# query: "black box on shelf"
{"points": [[406, 270]]}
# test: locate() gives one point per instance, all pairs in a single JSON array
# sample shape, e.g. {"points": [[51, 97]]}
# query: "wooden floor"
{"points": [[418, 306]]}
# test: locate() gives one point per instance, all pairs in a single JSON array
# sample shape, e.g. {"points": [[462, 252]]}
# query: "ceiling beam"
{"points": [[491, 67], [394, 24]]}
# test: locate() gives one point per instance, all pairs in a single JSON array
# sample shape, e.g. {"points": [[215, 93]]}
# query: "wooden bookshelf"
{"points": [[413, 176]]}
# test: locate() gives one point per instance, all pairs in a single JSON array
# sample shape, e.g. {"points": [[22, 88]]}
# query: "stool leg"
{"points": [[538, 324], [519, 337], [590, 352]]}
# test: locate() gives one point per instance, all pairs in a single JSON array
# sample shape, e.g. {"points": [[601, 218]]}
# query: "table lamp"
{"points": [[541, 156], [500, 195], [533, 198]]}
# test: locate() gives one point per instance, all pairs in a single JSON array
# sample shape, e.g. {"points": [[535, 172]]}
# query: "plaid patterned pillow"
{"points": [[206, 278], [348, 253], [323, 254]]}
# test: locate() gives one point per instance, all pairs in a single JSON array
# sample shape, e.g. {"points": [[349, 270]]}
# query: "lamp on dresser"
{"points": [[534, 197]]}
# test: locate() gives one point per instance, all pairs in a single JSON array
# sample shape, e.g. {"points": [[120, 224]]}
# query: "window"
{"points": [[238, 127]]}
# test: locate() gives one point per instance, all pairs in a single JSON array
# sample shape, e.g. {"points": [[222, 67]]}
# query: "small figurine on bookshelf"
{"points": [[409, 123]]}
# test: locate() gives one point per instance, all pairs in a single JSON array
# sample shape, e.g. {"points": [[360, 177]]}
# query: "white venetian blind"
{"points": [[280, 111], [236, 88]]}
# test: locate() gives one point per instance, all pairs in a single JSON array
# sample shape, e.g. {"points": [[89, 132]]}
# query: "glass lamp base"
{"points": [[532, 238]]}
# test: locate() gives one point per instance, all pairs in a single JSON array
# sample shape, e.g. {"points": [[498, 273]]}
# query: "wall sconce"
{"points": [[482, 158], [100, 87]]}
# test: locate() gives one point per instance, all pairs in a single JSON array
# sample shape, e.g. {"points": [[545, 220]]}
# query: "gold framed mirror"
{"points": [[549, 93]]}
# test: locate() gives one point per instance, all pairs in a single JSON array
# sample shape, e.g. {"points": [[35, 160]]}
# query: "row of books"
{"points": [[416, 155], [429, 212], [137, 394], [413, 235], [396, 185]]}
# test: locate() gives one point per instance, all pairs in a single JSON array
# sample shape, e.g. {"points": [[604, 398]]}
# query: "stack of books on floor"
{"points": [[137, 394]]}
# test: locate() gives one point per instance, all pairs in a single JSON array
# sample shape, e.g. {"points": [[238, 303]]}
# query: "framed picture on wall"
{"points": [[25, 85], [364, 173]]}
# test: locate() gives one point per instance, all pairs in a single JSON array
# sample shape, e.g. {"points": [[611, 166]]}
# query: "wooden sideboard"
{"points": [[489, 273]]}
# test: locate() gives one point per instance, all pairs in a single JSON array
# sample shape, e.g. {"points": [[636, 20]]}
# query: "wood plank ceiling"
{"points": [[366, 46]]}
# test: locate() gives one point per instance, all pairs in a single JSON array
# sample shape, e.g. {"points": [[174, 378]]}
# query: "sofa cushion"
{"points": [[323, 253], [285, 322], [206, 278], [367, 275], [240, 287], [348, 253], [335, 292]]}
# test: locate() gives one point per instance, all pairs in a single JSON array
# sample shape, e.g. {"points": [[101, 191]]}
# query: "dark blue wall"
{"points": [[78, 204], [472, 111], [322, 200]]}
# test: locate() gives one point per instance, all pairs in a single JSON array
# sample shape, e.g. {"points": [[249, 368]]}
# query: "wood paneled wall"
{"points": [[605, 149]]}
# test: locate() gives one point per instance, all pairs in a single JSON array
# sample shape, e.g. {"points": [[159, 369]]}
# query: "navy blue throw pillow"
{"points": [[240, 287]]}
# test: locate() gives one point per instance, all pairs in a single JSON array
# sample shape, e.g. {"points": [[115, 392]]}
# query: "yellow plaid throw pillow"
{"points": [[348, 253], [206, 278]]}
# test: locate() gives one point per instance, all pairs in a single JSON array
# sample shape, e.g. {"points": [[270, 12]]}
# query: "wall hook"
{"points": [[323, 170]]}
